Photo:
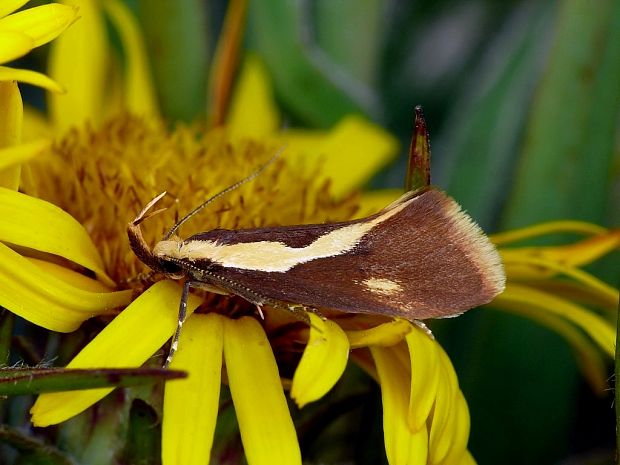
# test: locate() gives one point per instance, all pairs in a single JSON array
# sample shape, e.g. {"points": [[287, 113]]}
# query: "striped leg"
{"points": [[182, 315]]}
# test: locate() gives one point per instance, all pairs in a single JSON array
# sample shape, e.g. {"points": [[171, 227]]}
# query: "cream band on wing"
{"points": [[274, 256]]}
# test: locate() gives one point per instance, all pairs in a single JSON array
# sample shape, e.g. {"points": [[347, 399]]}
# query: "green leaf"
{"points": [[6, 334], [484, 128], [571, 135], [357, 46], [310, 83], [18, 381], [143, 445], [177, 37]]}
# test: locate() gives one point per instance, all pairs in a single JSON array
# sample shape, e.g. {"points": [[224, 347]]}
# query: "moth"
{"points": [[420, 257]]}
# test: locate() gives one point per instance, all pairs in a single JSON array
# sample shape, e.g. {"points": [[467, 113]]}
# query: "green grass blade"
{"points": [[18, 381]]}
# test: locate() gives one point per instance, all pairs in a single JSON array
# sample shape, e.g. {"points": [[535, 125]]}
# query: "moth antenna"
{"points": [[219, 194]]}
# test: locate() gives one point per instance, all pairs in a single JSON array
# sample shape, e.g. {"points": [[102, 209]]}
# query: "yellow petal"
{"points": [[253, 112], [14, 44], [425, 375], [516, 297], [40, 225], [402, 446], [304, 140], [374, 201], [267, 430], [11, 117], [191, 405], [9, 6], [576, 292], [552, 227], [353, 152], [41, 295], [445, 413], [42, 23], [322, 363], [30, 77], [576, 254], [385, 335], [139, 91], [36, 125], [16, 154], [458, 443], [520, 266], [11, 114], [153, 316], [78, 61], [76, 279], [114, 103]]}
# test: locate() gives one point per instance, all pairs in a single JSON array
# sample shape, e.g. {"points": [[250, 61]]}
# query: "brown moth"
{"points": [[420, 257]]}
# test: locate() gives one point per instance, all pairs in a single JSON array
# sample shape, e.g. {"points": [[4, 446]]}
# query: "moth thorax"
{"points": [[169, 248]]}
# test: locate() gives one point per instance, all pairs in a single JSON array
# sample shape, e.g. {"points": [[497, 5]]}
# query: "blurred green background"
{"points": [[522, 99]]}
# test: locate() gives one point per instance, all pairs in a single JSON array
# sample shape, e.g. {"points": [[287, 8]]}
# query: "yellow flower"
{"points": [[115, 187], [107, 187], [102, 174]]}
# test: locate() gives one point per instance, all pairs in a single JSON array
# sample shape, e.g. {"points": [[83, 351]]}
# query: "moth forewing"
{"points": [[420, 257]]}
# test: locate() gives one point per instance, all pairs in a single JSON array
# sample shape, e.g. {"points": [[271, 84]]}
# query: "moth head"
{"points": [[166, 253], [154, 259]]}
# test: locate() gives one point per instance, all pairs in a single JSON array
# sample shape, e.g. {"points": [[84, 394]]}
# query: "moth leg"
{"points": [[423, 327], [174, 344], [298, 310], [314, 310], [259, 309], [302, 311], [210, 281]]}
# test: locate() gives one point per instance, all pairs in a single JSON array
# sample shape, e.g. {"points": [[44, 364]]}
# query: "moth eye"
{"points": [[170, 267]]}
